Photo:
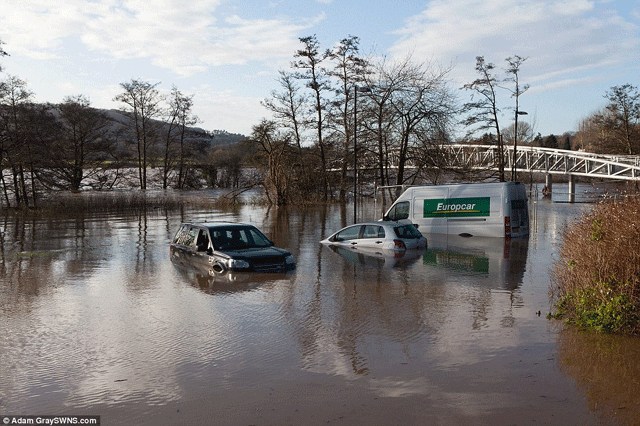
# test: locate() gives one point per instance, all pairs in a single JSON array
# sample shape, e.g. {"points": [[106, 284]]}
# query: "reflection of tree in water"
{"points": [[607, 368], [41, 252], [358, 299]]}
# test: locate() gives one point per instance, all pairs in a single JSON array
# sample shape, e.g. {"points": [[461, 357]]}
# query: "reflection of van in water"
{"points": [[493, 262], [497, 209]]}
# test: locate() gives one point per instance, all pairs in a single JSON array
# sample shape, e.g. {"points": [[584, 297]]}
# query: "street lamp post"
{"points": [[355, 153], [515, 143]]}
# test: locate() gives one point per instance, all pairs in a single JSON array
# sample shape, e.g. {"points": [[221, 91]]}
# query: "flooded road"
{"points": [[97, 320]]}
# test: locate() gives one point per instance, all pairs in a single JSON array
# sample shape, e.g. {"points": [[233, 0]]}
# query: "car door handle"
{"points": [[354, 243], [378, 242]]}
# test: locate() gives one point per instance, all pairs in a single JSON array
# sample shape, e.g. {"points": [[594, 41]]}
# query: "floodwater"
{"points": [[95, 319]]}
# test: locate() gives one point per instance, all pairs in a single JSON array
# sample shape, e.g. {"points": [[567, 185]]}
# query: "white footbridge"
{"points": [[544, 160]]}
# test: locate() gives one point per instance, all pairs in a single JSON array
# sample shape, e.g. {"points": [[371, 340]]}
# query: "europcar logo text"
{"points": [[457, 207]]}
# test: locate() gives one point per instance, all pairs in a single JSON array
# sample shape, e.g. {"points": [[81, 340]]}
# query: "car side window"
{"points": [[180, 234], [399, 211], [186, 236], [351, 233], [219, 239], [373, 231]]}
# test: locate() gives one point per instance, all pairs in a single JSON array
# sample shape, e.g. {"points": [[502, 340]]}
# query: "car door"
{"points": [[190, 246], [181, 251], [372, 236], [349, 236], [200, 248]]}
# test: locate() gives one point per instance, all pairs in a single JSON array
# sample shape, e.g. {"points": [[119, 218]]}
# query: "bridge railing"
{"points": [[544, 160], [527, 159]]}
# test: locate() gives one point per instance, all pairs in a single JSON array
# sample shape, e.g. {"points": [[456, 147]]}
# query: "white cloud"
{"points": [[226, 110], [184, 37], [37, 28], [558, 37]]}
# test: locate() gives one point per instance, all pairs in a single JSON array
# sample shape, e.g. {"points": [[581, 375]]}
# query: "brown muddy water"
{"points": [[95, 319]]}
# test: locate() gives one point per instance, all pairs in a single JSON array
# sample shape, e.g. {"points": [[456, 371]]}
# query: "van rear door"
{"points": [[519, 210]]}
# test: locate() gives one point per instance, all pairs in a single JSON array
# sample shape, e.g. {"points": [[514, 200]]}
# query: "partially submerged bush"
{"points": [[596, 281]]}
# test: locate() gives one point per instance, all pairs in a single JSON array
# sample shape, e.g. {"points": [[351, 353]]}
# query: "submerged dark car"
{"points": [[221, 247]]}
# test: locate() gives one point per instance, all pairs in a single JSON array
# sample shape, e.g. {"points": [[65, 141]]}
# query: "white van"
{"points": [[497, 209]]}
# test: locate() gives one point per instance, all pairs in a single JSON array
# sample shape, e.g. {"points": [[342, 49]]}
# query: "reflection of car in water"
{"points": [[382, 235], [223, 247], [230, 282], [377, 258], [498, 262]]}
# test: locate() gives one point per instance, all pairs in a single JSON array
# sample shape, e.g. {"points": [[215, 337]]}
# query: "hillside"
{"points": [[195, 135]]}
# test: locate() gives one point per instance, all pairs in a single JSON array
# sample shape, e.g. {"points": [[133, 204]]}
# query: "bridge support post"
{"points": [[572, 189], [548, 182]]}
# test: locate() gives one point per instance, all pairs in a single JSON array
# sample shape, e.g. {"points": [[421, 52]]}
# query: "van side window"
{"points": [[399, 211]]}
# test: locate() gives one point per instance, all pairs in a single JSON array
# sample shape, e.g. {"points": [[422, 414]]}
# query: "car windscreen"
{"points": [[407, 231], [238, 238]]}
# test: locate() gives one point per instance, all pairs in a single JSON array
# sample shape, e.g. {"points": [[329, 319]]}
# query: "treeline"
{"points": [[342, 124], [378, 117], [72, 146], [335, 111]]}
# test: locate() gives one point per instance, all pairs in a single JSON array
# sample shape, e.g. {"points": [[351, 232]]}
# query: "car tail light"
{"points": [[507, 226], [399, 245]]}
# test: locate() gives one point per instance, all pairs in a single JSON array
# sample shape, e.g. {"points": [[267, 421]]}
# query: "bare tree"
{"points": [[309, 60], [275, 147], [15, 100], [42, 130], [287, 106], [614, 129], [404, 114], [82, 146], [142, 101], [423, 105], [378, 117], [179, 117], [526, 133], [622, 118], [513, 76], [349, 71], [483, 108], [592, 137]]}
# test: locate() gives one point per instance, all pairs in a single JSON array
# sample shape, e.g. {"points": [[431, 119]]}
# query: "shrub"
{"points": [[596, 281]]}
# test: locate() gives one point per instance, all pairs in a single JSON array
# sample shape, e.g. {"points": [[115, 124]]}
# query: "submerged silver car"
{"points": [[221, 247], [384, 235]]}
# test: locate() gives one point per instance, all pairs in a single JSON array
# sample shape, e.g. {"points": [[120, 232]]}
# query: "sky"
{"points": [[227, 53]]}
